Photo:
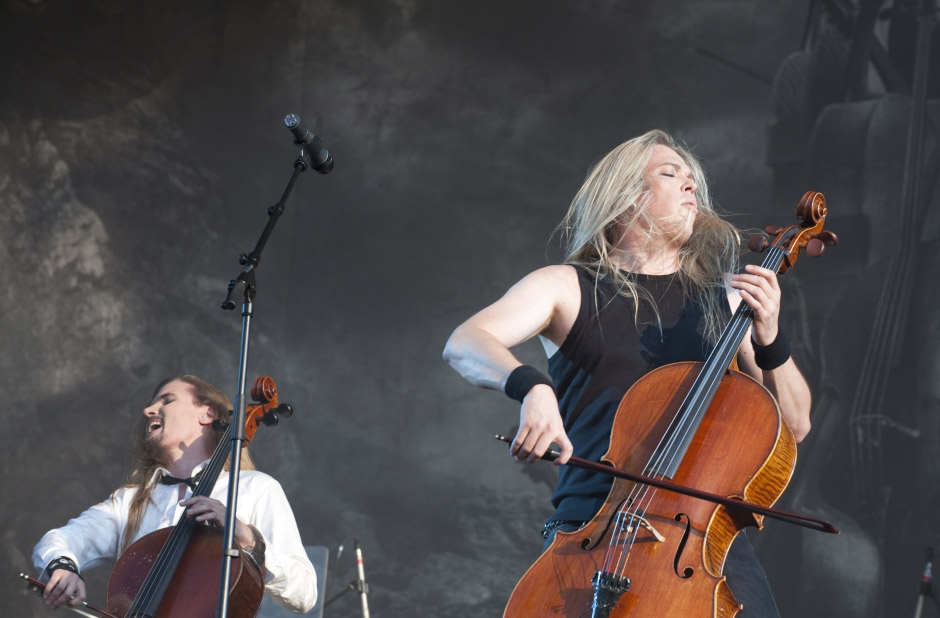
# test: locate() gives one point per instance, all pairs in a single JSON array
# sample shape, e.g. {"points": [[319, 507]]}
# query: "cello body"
{"points": [[191, 593], [742, 448]]}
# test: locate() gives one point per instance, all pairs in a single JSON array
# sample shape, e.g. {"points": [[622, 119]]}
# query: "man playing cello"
{"points": [[173, 442], [645, 283]]}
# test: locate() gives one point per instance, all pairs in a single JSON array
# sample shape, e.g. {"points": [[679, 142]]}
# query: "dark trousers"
{"points": [[746, 576]]}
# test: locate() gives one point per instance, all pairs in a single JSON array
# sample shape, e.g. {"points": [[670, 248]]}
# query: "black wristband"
{"points": [[522, 379], [769, 357], [63, 562]]}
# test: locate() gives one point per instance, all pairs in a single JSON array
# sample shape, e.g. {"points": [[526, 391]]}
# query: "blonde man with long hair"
{"points": [[649, 278], [174, 440]]}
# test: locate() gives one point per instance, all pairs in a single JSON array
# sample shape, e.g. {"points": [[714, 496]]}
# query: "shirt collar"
{"points": [[160, 471]]}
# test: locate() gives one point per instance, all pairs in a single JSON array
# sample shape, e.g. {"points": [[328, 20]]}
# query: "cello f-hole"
{"points": [[586, 544], [688, 571]]}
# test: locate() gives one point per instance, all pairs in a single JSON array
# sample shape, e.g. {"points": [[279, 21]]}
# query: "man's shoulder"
{"points": [[561, 278], [250, 483], [559, 271], [257, 477]]}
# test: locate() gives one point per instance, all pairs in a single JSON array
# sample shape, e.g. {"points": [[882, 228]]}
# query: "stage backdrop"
{"points": [[141, 144]]}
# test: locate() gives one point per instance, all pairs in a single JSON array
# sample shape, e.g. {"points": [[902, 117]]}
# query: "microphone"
{"points": [[320, 158], [362, 586]]}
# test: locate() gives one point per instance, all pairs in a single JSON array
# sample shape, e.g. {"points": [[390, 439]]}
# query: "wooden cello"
{"points": [[175, 572], [650, 553]]}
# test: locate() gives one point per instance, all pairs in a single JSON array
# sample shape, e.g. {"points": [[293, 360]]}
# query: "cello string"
{"points": [[714, 367], [682, 424], [632, 522], [629, 522], [629, 527], [870, 404], [695, 403], [861, 423], [685, 420], [162, 565], [626, 523], [867, 472], [179, 537], [159, 572], [693, 406]]}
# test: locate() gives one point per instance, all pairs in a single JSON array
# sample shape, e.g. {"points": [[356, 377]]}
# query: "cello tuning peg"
{"points": [[757, 243], [828, 238], [815, 247], [773, 230]]}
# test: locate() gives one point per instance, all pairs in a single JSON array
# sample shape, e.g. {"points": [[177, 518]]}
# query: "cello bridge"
{"points": [[644, 523]]}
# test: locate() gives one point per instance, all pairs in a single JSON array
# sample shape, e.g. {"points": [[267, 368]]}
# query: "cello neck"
{"points": [[668, 456], [158, 579]]}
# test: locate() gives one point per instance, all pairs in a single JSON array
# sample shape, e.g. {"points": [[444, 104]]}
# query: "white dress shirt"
{"points": [[94, 537]]}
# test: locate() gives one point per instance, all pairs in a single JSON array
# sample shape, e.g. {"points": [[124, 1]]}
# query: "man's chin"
{"points": [[152, 447]]}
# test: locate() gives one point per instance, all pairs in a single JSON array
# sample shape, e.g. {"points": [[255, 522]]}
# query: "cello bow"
{"points": [[34, 585], [732, 504]]}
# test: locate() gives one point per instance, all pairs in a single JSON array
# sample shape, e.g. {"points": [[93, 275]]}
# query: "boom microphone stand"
{"points": [[358, 585], [244, 286], [926, 585]]}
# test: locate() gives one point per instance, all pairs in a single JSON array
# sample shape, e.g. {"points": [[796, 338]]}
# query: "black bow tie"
{"points": [[169, 479]]}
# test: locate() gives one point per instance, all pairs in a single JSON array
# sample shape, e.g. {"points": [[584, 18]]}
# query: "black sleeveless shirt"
{"points": [[607, 351]]}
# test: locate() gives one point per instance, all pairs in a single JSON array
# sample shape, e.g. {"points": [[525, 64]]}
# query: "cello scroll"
{"points": [[267, 411], [809, 234]]}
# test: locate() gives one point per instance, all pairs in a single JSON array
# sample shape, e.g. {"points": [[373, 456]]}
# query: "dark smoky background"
{"points": [[140, 144]]}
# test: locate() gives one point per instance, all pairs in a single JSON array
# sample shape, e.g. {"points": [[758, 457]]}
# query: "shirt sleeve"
{"points": [[291, 579], [90, 539]]}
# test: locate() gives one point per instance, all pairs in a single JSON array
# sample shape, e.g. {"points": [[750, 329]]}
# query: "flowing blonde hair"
{"points": [[615, 197], [145, 461]]}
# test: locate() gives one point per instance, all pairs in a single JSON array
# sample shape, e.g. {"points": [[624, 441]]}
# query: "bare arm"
{"points": [[544, 302], [758, 287]]}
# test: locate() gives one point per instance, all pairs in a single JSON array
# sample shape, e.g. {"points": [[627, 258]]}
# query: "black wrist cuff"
{"points": [[522, 379], [769, 357], [63, 562]]}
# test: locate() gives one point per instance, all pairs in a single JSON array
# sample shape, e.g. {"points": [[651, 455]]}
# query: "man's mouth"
{"points": [[153, 426]]}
